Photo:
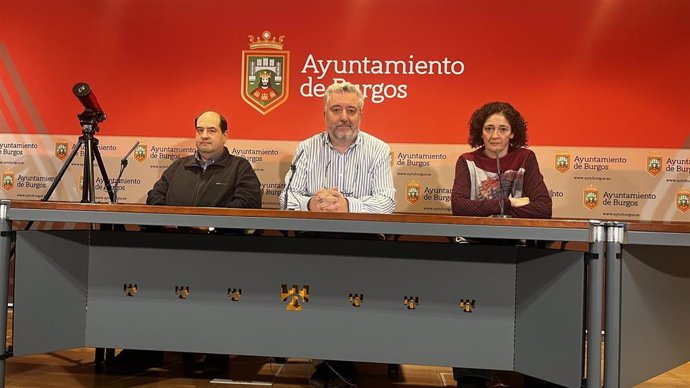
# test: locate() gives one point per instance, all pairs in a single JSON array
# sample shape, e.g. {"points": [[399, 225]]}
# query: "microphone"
{"points": [[88, 99], [293, 168], [123, 165], [501, 204], [124, 160]]}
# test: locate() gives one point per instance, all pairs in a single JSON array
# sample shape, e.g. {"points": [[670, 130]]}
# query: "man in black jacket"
{"points": [[211, 177]]}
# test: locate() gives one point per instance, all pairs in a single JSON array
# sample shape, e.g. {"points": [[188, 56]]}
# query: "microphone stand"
{"points": [[293, 168], [501, 204], [123, 165]]}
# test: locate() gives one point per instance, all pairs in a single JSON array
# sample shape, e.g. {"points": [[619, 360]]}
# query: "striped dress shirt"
{"points": [[362, 174]]}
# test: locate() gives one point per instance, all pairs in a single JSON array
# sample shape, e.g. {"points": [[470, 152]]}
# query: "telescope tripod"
{"points": [[89, 123]]}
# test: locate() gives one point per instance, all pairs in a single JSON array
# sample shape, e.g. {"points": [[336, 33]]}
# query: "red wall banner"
{"points": [[583, 72]]}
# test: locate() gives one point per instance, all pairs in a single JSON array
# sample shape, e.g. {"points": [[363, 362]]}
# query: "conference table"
{"points": [[361, 287]]}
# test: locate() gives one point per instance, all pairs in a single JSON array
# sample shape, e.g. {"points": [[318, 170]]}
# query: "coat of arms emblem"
{"points": [[654, 164], [265, 72], [61, 150], [591, 197], [412, 192], [683, 200], [140, 152], [8, 180], [562, 162]]}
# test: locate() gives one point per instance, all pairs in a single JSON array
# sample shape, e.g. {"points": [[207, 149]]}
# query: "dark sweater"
{"points": [[476, 188]]}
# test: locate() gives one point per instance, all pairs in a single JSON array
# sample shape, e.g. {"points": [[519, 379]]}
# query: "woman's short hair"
{"points": [[518, 125]]}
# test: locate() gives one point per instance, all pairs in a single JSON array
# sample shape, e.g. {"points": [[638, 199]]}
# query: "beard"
{"points": [[344, 132]]}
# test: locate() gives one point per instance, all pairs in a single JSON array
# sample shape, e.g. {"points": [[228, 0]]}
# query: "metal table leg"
{"points": [[5, 246], [595, 275], [614, 238]]}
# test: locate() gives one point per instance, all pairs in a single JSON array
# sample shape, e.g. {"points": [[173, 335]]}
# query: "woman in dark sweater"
{"points": [[499, 130]]}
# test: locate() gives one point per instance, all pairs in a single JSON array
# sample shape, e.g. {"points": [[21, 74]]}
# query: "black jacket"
{"points": [[228, 182]]}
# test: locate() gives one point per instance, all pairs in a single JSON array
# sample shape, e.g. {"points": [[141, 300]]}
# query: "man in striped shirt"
{"points": [[341, 169]]}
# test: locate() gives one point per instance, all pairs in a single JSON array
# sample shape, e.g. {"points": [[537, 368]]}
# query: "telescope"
{"points": [[88, 99], [89, 120]]}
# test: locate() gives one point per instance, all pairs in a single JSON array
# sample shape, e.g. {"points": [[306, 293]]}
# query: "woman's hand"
{"points": [[517, 202]]}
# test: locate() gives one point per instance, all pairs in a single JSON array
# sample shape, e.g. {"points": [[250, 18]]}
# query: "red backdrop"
{"points": [[583, 72]]}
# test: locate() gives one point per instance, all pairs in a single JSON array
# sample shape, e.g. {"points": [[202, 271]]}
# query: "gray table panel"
{"points": [[655, 311], [657, 238], [50, 291], [549, 325], [382, 330]]}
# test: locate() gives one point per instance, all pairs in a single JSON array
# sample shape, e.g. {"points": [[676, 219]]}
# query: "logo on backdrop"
{"points": [[61, 150], [562, 162], [8, 180], [412, 192], [140, 152], [265, 72], [683, 200], [591, 197], [654, 164], [80, 184]]}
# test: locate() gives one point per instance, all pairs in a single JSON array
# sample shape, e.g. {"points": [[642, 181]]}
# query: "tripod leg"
{"points": [[88, 188], [104, 174], [58, 177]]}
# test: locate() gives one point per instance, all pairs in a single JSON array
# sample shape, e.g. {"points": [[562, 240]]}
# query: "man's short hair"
{"points": [[223, 121], [344, 87]]}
